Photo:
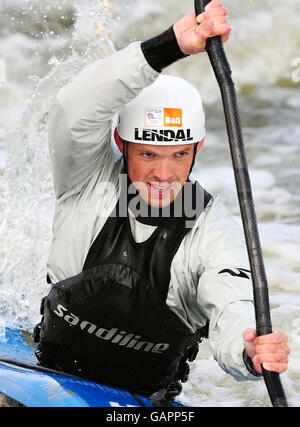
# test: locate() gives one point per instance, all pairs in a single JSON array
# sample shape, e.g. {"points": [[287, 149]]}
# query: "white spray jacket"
{"points": [[84, 160]]}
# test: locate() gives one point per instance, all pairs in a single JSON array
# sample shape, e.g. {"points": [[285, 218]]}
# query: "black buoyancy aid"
{"points": [[111, 322]]}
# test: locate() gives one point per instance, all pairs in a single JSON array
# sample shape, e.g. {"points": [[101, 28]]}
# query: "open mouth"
{"points": [[160, 189]]}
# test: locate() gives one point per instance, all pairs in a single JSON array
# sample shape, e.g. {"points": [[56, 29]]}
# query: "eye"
{"points": [[182, 154], [148, 155]]}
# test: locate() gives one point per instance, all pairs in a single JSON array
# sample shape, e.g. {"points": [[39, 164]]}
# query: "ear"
{"points": [[200, 145], [119, 141]]}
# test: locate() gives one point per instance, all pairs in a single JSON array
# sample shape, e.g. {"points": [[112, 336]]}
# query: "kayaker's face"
{"points": [[159, 172]]}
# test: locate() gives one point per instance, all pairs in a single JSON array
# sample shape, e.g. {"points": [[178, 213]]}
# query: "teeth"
{"points": [[161, 187]]}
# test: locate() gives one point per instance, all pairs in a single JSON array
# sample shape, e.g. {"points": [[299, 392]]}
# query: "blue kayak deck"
{"points": [[23, 382]]}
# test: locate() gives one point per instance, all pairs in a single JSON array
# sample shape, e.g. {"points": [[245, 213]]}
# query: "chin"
{"points": [[157, 202]]}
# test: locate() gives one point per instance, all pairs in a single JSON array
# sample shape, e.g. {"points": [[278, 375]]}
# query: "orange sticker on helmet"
{"points": [[173, 117]]}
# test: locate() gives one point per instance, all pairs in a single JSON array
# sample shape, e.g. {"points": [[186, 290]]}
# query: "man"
{"points": [[135, 289]]}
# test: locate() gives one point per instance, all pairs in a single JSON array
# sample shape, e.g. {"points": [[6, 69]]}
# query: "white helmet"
{"points": [[168, 112]]}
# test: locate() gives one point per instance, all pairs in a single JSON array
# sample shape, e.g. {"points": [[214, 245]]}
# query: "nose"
{"points": [[163, 171]]}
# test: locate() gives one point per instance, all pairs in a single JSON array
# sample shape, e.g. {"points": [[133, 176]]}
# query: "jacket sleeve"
{"points": [[225, 289], [81, 120]]}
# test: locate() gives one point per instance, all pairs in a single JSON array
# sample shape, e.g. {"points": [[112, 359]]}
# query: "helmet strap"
{"points": [[194, 157], [125, 157]]}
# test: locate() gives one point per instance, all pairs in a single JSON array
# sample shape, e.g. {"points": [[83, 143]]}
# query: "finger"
{"points": [[212, 4], [271, 358], [226, 37], [274, 338], [276, 367], [257, 366], [200, 18], [205, 29], [201, 36], [217, 11], [221, 30], [271, 348], [219, 17], [249, 334], [210, 29], [218, 20]]}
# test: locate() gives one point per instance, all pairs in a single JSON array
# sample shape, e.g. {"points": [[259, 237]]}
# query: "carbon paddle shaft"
{"points": [[221, 67]]}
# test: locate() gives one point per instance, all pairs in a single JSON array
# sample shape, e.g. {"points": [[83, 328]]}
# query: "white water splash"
{"points": [[28, 204]]}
